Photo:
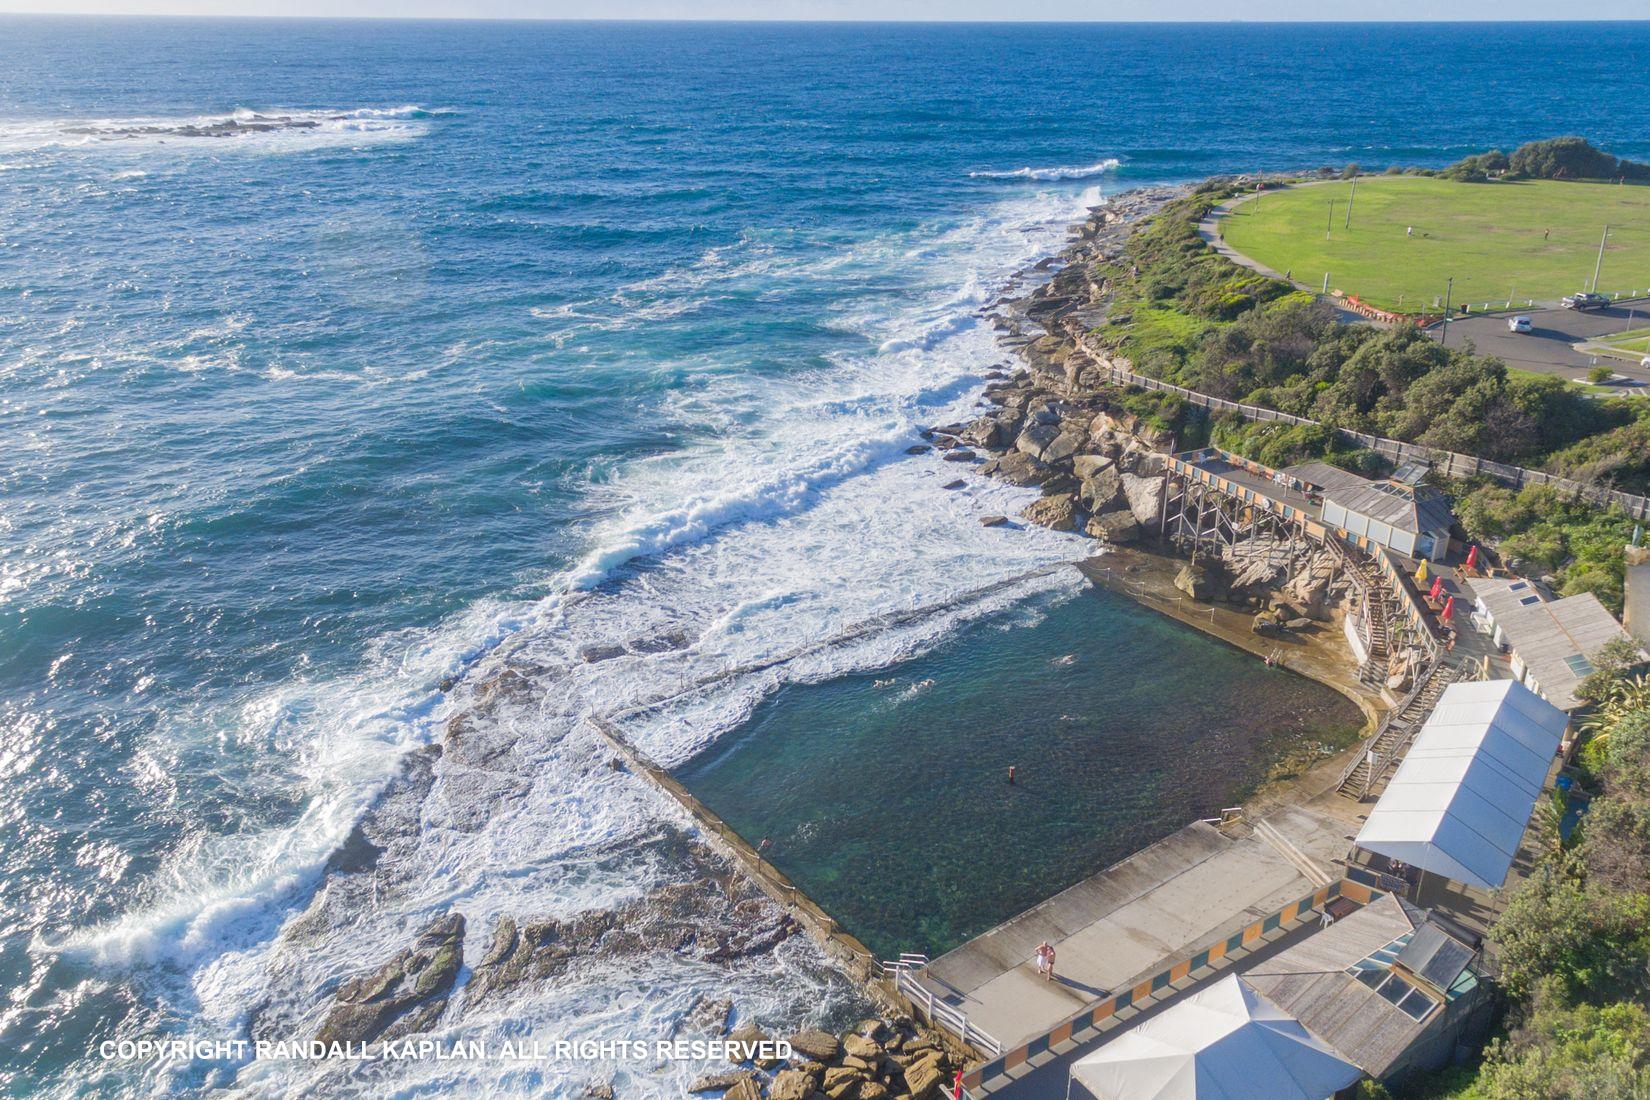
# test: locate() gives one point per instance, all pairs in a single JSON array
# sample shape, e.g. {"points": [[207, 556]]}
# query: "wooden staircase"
{"points": [[1392, 739]]}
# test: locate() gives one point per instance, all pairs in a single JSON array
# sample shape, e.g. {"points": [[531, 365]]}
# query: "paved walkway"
{"points": [[1048, 1075], [1161, 905]]}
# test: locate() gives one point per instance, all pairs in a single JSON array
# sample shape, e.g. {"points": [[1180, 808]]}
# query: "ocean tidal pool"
{"points": [[885, 796]]}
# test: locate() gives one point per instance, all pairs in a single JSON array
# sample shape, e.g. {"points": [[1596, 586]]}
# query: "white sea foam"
{"points": [[803, 545], [271, 130], [1083, 172]]}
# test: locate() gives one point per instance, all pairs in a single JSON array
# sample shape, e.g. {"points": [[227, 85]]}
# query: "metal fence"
{"points": [[1449, 463]]}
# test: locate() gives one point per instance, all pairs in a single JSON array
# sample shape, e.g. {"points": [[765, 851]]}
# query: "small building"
{"points": [[1391, 988], [1399, 513], [1412, 520], [1551, 642]]}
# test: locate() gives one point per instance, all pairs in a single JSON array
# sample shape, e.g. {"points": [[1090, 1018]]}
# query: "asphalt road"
{"points": [[1547, 349]]}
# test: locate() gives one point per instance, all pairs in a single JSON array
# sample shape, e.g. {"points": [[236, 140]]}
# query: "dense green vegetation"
{"points": [[1183, 313], [1511, 239], [1564, 158]]}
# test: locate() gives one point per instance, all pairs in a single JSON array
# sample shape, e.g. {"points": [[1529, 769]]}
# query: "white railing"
{"points": [[904, 973]]}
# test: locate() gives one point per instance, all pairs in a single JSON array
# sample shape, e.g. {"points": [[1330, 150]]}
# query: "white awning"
{"points": [[1460, 801], [1226, 1041]]}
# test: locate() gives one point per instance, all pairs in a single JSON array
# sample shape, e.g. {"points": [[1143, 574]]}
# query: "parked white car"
{"points": [[1518, 324]]}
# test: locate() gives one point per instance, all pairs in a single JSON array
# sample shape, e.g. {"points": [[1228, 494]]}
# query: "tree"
{"points": [[1570, 158]]}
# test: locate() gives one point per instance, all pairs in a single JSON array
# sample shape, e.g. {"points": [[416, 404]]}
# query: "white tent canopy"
{"points": [[1223, 1041], [1460, 802]]}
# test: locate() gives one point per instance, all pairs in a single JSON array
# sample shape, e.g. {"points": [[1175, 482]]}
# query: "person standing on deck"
{"points": [[1045, 960]]}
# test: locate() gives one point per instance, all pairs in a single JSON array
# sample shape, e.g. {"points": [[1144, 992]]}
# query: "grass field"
{"points": [[1534, 239], [1636, 340]]}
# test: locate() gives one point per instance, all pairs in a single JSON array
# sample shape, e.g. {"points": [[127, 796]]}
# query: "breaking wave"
{"points": [[1088, 171], [267, 130]]}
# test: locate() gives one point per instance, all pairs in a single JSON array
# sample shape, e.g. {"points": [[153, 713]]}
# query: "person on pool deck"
{"points": [[1045, 960]]}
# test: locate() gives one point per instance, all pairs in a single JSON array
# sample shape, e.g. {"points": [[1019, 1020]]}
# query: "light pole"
{"points": [[1329, 226], [1349, 199], [1449, 290], [1600, 262]]}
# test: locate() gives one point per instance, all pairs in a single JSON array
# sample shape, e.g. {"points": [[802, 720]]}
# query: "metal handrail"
{"points": [[904, 969]]}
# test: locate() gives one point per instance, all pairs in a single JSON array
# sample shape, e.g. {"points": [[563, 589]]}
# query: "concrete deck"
{"points": [[1161, 905]]}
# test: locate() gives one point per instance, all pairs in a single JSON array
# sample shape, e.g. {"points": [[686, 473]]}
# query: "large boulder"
{"points": [[924, 1076], [720, 1082], [1102, 491], [841, 1083], [1194, 581], [986, 432], [1086, 466], [1036, 439], [862, 1047], [1017, 468], [1117, 528], [1057, 511], [792, 1084], [821, 1046], [1063, 447], [1144, 496]]}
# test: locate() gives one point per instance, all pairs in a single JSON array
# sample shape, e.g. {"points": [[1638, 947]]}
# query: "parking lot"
{"points": [[1548, 347]]}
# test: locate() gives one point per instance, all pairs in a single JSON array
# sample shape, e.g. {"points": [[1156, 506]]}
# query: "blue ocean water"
{"points": [[342, 363]]}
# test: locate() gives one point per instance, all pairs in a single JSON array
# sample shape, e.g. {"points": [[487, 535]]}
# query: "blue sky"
{"points": [[1074, 10]]}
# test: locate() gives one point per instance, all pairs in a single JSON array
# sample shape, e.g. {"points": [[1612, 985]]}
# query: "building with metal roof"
{"points": [[1413, 520], [1551, 642], [1460, 802], [1391, 989]]}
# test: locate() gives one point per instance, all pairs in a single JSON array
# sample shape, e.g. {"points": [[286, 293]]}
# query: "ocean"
{"points": [[345, 366]]}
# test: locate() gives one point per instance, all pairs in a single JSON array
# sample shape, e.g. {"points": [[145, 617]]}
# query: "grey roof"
{"points": [[1503, 595], [1325, 476], [1548, 637], [1419, 508], [1310, 982]]}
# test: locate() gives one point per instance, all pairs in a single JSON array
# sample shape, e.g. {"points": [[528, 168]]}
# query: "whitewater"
{"points": [[804, 539], [368, 388]]}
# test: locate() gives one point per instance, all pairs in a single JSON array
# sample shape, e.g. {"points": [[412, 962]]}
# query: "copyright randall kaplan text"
{"points": [[437, 1050]]}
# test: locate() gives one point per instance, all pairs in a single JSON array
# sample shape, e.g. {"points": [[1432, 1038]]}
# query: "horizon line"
{"points": [[90, 13]]}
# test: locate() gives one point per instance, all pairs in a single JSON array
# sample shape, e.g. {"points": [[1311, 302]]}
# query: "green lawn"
{"points": [[1634, 340], [1488, 236]]}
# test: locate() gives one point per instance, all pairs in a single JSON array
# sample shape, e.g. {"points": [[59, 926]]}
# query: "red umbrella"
{"points": [[1449, 609], [1472, 556], [1437, 588]]}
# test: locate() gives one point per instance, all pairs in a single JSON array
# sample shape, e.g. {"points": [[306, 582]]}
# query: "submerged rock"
{"points": [[712, 917], [405, 995]]}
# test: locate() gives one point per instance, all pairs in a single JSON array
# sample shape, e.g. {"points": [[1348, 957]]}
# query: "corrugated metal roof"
{"points": [[1325, 476], [1549, 637], [1410, 509], [1310, 982]]}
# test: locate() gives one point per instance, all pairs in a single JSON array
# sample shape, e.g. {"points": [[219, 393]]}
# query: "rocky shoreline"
{"points": [[1057, 423], [1053, 423]]}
